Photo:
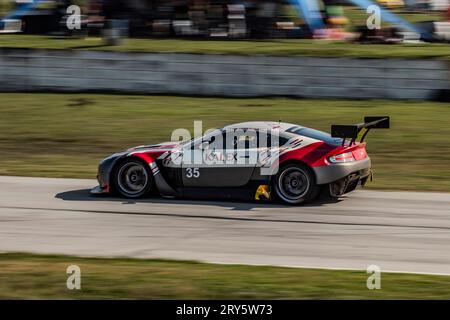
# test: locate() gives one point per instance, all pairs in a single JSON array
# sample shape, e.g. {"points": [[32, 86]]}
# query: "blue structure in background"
{"points": [[22, 9], [389, 16], [310, 11]]}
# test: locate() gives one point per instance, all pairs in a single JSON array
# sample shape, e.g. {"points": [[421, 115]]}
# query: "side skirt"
{"points": [[244, 193]]}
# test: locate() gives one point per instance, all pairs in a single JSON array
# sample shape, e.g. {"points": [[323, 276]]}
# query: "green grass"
{"points": [[240, 47], [65, 135], [44, 277]]}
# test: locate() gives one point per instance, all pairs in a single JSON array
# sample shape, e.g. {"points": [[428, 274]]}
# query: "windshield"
{"points": [[316, 134]]}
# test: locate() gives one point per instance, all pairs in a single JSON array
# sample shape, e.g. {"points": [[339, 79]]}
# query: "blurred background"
{"points": [[330, 19]]}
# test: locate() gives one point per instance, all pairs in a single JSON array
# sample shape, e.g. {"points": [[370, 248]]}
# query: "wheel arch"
{"points": [[314, 188], [117, 163], [297, 161]]}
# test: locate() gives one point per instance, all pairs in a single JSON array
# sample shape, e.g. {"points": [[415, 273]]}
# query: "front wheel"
{"points": [[133, 179], [295, 184]]}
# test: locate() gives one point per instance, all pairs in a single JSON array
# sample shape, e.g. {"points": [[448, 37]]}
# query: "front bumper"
{"points": [[103, 183], [334, 172], [97, 190], [102, 187], [103, 175]]}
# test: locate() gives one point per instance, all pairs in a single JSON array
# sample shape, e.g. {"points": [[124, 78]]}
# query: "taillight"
{"points": [[360, 154], [342, 157]]}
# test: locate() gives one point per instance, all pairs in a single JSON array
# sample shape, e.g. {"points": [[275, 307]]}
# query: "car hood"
{"points": [[160, 147], [155, 147]]}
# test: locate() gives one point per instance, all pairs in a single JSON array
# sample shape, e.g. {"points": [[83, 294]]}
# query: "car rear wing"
{"points": [[352, 131]]}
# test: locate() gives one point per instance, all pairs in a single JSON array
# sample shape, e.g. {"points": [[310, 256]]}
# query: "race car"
{"points": [[259, 160]]}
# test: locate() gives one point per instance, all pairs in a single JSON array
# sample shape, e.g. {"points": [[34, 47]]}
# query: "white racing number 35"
{"points": [[192, 173]]}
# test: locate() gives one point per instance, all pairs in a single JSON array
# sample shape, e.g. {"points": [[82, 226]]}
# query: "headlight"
{"points": [[342, 157]]}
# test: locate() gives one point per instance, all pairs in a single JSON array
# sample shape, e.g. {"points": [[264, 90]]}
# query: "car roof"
{"points": [[262, 125]]}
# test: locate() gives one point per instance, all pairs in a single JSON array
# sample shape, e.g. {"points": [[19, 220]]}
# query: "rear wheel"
{"points": [[295, 184], [133, 178]]}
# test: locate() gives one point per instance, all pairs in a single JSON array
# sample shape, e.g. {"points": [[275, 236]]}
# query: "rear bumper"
{"points": [[337, 171]]}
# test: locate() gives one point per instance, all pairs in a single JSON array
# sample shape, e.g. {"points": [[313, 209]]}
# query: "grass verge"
{"points": [[28, 276], [65, 135], [273, 47]]}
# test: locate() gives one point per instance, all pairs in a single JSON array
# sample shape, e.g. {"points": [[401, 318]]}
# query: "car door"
{"points": [[221, 159]]}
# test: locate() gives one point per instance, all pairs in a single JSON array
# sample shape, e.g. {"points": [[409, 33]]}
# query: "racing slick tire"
{"points": [[132, 178], [295, 184]]}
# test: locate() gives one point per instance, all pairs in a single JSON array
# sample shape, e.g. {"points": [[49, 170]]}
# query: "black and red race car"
{"points": [[262, 160]]}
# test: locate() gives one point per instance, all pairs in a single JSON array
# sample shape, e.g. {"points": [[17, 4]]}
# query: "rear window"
{"points": [[316, 134]]}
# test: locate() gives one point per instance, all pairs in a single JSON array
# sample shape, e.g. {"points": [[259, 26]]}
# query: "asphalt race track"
{"points": [[398, 231]]}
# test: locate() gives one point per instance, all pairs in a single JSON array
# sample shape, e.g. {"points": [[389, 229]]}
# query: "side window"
{"points": [[214, 140], [282, 141], [242, 139], [267, 140], [246, 141]]}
